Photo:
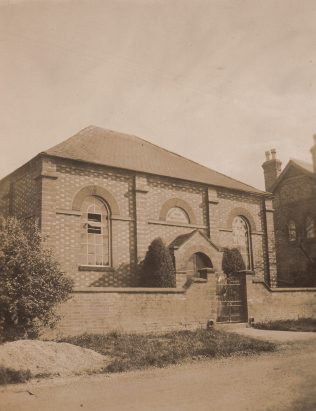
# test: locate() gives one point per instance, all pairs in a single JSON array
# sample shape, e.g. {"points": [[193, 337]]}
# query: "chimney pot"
{"points": [[267, 153], [273, 152], [271, 168]]}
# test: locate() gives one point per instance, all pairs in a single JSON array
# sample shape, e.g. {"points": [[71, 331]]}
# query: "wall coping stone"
{"points": [[198, 280], [129, 290], [284, 289], [292, 289]]}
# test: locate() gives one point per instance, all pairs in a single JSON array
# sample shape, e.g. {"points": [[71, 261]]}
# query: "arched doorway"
{"points": [[198, 264]]}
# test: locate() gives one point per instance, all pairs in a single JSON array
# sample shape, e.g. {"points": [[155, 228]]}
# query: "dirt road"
{"points": [[280, 381]]}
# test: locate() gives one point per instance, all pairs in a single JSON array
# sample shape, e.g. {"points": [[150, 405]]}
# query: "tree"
{"points": [[157, 269], [232, 261], [31, 283]]}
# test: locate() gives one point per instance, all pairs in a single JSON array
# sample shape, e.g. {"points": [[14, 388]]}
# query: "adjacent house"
{"points": [[294, 203]]}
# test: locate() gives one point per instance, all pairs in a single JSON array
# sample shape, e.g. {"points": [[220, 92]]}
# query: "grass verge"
{"points": [[302, 324], [10, 376], [135, 351]]}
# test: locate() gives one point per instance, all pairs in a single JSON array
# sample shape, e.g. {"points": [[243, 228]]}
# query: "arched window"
{"points": [[310, 227], [95, 233], [292, 230], [177, 215], [241, 239]]}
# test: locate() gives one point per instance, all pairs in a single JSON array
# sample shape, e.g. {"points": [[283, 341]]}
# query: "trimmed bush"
{"points": [[31, 282], [232, 261], [157, 269]]}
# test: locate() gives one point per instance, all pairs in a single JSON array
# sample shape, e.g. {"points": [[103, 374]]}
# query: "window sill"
{"points": [[100, 268]]}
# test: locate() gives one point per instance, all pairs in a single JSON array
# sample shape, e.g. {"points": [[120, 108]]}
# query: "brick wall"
{"points": [[266, 304], [101, 310], [224, 207], [20, 192], [138, 309], [65, 225], [50, 190]]}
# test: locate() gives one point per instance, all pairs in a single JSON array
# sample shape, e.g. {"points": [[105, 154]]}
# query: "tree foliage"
{"points": [[232, 261], [31, 283], [157, 269]]}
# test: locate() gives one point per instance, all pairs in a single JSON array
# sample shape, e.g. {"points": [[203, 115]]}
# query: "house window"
{"points": [[95, 233], [241, 239], [177, 215], [310, 227], [292, 230]]}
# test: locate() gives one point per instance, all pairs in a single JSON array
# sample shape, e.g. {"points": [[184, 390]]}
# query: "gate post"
{"points": [[211, 276]]}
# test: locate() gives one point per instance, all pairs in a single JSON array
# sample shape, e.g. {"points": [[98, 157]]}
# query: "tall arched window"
{"points": [[310, 227], [292, 230], [95, 233], [241, 239]]}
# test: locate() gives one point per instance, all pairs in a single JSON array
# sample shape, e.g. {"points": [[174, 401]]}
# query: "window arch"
{"points": [[95, 233], [186, 210], [242, 239], [310, 227], [292, 235]]}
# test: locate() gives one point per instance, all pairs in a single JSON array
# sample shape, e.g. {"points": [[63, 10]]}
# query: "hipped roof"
{"points": [[111, 148]]}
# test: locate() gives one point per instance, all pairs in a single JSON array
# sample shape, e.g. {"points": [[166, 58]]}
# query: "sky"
{"points": [[217, 81]]}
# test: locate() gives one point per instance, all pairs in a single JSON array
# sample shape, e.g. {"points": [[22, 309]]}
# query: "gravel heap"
{"points": [[46, 357]]}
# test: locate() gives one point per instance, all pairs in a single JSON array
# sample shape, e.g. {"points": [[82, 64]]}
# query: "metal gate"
{"points": [[232, 299]]}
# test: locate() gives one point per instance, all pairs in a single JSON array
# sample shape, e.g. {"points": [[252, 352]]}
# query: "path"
{"points": [[279, 381]]}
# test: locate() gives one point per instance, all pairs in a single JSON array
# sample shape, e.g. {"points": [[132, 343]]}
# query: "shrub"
{"points": [[157, 269], [10, 376], [31, 282], [232, 261]]}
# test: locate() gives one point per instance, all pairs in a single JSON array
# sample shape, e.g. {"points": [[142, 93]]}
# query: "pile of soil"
{"points": [[47, 357]]}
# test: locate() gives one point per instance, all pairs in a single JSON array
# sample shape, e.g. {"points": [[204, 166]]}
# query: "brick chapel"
{"points": [[101, 197]]}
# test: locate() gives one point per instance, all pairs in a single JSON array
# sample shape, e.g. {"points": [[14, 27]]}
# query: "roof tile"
{"points": [[114, 149]]}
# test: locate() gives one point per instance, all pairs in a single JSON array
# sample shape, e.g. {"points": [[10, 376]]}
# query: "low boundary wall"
{"points": [[268, 304], [100, 310]]}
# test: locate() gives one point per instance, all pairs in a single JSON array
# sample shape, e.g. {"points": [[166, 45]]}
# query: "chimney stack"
{"points": [[272, 168], [313, 151]]}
